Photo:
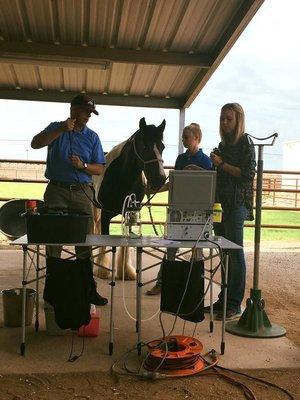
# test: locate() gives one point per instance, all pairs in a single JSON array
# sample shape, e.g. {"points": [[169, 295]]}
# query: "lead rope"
{"points": [[148, 205]]}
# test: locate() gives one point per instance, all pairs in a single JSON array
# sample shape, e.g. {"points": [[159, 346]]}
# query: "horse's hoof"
{"points": [[103, 275], [130, 276], [127, 277]]}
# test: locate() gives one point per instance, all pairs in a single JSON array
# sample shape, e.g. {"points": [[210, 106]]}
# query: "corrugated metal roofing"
{"points": [[155, 53]]}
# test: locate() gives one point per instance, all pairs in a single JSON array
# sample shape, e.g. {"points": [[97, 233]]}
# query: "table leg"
{"points": [[22, 346], [112, 287], [211, 314], [37, 299], [139, 252], [225, 283]]}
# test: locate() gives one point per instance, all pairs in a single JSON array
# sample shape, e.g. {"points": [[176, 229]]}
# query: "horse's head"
{"points": [[148, 147]]}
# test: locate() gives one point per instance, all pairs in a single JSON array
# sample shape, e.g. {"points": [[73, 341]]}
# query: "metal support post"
{"points": [[139, 252], [37, 297], [211, 314], [112, 287], [24, 283], [224, 287], [181, 126], [254, 321]]}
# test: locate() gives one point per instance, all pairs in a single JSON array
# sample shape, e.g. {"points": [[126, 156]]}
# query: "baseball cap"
{"points": [[82, 100]]}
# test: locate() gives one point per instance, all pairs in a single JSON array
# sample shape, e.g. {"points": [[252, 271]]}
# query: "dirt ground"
{"points": [[100, 386], [279, 281]]}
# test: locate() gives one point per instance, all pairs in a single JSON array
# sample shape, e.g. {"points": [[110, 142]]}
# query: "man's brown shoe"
{"points": [[154, 291]]}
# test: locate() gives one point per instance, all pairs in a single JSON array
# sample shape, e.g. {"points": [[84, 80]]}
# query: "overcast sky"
{"points": [[261, 72]]}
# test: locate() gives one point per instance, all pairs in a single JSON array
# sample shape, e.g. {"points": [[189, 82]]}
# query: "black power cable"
{"points": [[258, 380]]}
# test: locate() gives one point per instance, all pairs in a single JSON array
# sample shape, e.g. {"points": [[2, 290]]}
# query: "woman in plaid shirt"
{"points": [[234, 160]]}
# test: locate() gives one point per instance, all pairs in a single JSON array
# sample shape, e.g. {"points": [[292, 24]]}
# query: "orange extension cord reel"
{"points": [[175, 356]]}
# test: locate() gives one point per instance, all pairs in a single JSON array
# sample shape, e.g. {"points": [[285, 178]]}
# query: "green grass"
{"points": [[277, 218], [21, 190], [36, 190]]}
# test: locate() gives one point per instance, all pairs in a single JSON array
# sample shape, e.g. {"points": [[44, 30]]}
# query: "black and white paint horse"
{"points": [[127, 164]]}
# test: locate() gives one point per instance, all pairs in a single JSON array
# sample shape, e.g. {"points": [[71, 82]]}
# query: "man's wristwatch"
{"points": [[85, 165]]}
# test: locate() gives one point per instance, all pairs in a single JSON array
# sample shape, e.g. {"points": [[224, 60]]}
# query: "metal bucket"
{"points": [[12, 306], [12, 224]]}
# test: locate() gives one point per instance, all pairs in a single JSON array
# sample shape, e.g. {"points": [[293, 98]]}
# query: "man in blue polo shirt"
{"points": [[74, 154]]}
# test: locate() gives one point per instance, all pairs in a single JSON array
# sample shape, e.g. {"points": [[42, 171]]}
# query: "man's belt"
{"points": [[70, 185]]}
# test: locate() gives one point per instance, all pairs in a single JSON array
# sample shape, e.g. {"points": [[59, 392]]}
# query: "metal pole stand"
{"points": [[254, 321]]}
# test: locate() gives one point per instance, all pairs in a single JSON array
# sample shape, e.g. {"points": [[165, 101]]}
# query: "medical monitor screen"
{"points": [[192, 190]]}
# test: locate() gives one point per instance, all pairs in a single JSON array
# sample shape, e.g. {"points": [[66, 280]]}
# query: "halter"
{"points": [[141, 159], [148, 196]]}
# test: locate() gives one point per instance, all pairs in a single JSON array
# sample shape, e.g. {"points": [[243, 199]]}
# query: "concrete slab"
{"points": [[49, 354]]}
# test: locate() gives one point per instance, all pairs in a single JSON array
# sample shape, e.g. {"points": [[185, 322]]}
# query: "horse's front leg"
{"points": [[124, 263], [103, 259], [96, 220], [105, 221]]}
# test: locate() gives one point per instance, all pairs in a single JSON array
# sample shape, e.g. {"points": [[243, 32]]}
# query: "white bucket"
{"points": [[52, 329]]}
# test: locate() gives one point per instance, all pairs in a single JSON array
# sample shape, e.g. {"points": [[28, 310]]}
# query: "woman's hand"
{"points": [[220, 164], [216, 160]]}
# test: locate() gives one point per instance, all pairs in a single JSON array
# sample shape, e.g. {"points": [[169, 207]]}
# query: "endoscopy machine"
{"points": [[191, 202]]}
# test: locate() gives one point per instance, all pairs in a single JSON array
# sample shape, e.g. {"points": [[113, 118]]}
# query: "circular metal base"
{"points": [[263, 332]]}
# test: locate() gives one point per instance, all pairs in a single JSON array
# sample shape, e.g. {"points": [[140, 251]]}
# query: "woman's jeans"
{"points": [[232, 228]]}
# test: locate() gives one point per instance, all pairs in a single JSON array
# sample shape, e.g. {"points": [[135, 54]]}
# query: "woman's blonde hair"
{"points": [[195, 129], [240, 123]]}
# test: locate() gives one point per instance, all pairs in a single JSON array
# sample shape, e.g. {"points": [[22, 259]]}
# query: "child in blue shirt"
{"points": [[193, 158]]}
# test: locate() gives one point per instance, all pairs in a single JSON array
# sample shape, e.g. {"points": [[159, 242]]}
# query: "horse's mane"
{"points": [[112, 155]]}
